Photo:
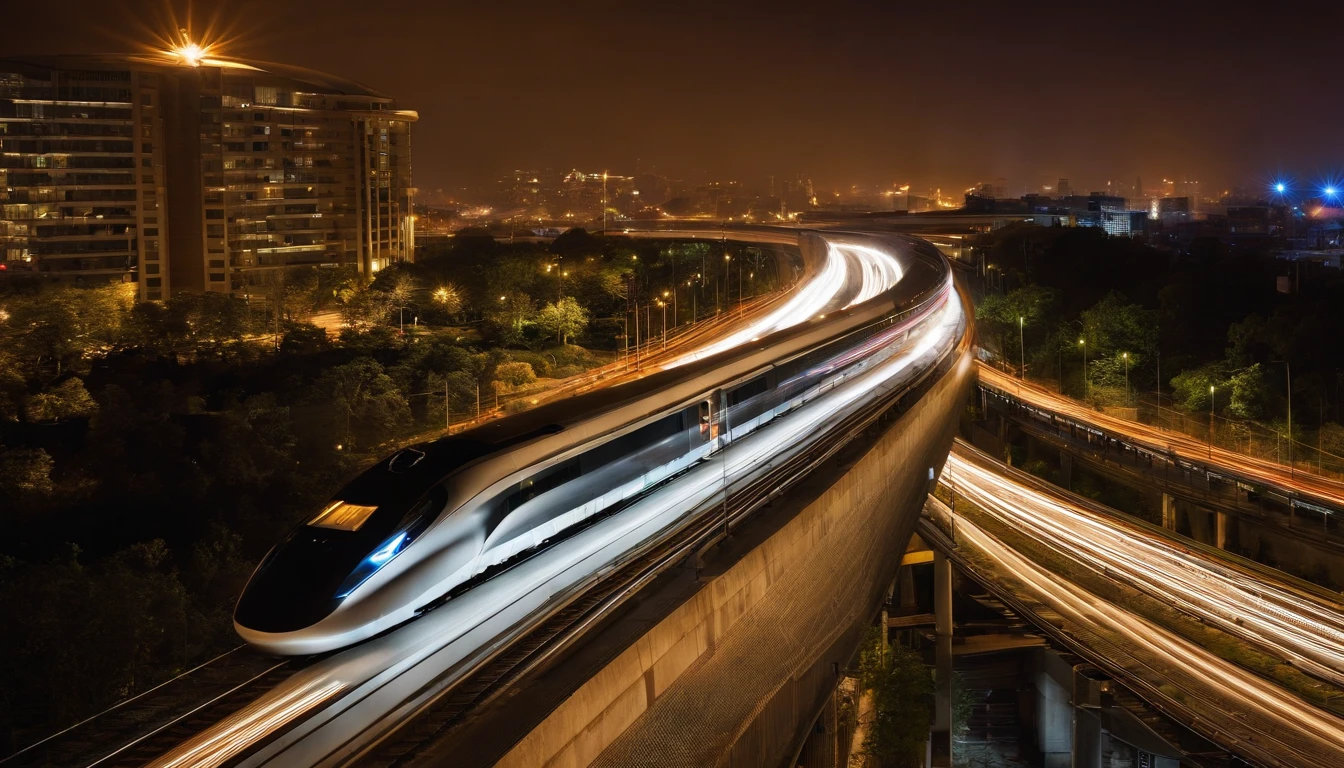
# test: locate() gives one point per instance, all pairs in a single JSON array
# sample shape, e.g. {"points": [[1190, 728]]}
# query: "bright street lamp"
{"points": [[1087, 382], [1126, 356], [1212, 400], [1021, 347]]}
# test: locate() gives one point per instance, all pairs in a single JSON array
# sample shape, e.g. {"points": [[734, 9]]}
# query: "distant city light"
{"points": [[190, 53]]}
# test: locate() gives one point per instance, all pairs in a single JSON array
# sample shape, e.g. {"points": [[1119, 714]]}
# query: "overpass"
{"points": [[620, 632], [1249, 658], [1266, 511]]}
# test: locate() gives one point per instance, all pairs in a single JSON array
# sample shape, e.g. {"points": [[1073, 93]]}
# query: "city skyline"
{"points": [[851, 95]]}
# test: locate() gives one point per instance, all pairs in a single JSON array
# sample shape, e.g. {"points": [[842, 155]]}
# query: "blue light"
{"points": [[388, 550], [370, 565], [1329, 191], [1280, 188]]}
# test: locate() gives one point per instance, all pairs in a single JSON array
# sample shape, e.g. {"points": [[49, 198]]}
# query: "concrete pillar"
{"points": [[1054, 724], [1066, 470], [906, 583], [1087, 739], [1168, 512], [942, 696], [1220, 526]]}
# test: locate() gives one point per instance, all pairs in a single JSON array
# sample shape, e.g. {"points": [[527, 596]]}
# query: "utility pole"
{"points": [[1126, 356], [604, 201], [1212, 400], [1022, 346], [1087, 382], [447, 412]]}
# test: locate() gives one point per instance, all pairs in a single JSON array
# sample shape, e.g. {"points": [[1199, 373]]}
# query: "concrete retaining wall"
{"points": [[735, 675]]}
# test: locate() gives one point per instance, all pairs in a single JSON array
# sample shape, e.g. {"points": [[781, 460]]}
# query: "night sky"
{"points": [[1228, 93]]}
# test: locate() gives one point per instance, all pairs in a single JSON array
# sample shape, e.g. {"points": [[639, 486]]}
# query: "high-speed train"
{"points": [[432, 518]]}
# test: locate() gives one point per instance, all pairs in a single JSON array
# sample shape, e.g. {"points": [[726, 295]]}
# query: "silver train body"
{"points": [[434, 518]]}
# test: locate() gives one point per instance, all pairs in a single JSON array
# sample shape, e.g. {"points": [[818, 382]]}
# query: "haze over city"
{"points": [[847, 93]]}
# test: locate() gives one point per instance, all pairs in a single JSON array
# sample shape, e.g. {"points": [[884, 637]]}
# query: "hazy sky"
{"points": [[845, 92]]}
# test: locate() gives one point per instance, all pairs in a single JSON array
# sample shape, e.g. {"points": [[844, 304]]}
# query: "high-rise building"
{"points": [[183, 173], [1063, 189]]}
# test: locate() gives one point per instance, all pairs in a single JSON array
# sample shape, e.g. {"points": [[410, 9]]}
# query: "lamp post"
{"points": [[1288, 367], [1212, 400], [663, 304], [1087, 382], [1022, 346], [1126, 356]]}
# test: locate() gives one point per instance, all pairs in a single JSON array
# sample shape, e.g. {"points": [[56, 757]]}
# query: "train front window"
{"points": [[342, 516]]}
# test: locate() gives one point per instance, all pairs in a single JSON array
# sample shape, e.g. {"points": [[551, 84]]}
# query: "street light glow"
{"points": [[1280, 187], [190, 53]]}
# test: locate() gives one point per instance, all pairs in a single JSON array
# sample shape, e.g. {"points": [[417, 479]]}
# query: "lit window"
{"points": [[342, 516]]}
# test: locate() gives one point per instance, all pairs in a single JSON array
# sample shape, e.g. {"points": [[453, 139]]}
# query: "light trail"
{"points": [[1163, 441], [1307, 631], [1301, 733], [486, 615], [877, 272]]}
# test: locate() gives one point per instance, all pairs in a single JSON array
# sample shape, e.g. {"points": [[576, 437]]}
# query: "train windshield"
{"points": [[343, 516]]}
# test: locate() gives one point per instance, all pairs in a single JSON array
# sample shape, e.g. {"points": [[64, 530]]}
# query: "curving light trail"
{"points": [[1306, 630], [1196, 451], [877, 271], [1310, 735]]}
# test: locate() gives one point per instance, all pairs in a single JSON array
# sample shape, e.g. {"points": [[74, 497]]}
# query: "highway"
{"points": [[332, 710], [1164, 442], [1304, 628], [1235, 707]]}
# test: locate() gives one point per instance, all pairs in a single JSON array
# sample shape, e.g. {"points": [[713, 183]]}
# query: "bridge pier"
{"points": [[1221, 525], [1087, 739], [1168, 512], [941, 736], [1054, 712]]}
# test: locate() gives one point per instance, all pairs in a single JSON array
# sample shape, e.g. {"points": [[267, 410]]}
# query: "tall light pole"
{"points": [[1212, 400], [1087, 382], [604, 201], [1289, 369], [1022, 347], [663, 305], [1126, 356]]}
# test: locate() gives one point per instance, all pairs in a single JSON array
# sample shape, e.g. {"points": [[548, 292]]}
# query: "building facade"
{"points": [[210, 175]]}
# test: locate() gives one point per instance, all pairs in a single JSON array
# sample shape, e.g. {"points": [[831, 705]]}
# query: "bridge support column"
{"points": [[1066, 470], [1168, 512], [1220, 526], [942, 697], [1087, 738]]}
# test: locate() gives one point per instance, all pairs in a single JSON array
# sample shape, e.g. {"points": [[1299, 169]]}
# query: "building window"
{"points": [[216, 277], [153, 282]]}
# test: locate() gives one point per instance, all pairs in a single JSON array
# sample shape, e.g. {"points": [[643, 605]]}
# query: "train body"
{"points": [[434, 517]]}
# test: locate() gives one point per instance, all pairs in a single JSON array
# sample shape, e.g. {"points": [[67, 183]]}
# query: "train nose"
{"points": [[297, 585]]}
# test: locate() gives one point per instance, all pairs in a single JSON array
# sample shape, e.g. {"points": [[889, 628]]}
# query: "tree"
{"points": [[999, 315], [361, 308], [24, 472], [367, 398], [902, 691], [564, 318], [449, 298], [64, 401], [509, 315], [515, 374]]}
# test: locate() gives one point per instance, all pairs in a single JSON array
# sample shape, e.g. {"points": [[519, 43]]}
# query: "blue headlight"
{"points": [[370, 565]]}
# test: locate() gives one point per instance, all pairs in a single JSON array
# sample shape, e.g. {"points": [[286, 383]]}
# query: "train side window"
{"points": [[704, 415]]}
